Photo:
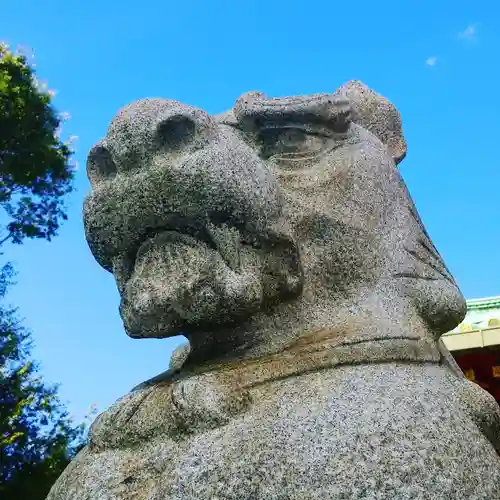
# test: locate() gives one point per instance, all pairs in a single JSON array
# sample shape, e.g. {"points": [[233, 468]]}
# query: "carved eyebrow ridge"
{"points": [[322, 108]]}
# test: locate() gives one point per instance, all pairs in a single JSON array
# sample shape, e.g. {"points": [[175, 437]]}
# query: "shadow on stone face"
{"points": [[281, 240]]}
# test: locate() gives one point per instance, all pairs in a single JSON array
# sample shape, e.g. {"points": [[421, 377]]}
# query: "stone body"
{"points": [[281, 240]]}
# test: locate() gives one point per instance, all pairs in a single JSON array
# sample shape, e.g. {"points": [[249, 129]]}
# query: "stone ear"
{"points": [[376, 114]]}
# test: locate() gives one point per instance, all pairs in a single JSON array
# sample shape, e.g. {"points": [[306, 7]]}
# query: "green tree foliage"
{"points": [[37, 437], [35, 173]]}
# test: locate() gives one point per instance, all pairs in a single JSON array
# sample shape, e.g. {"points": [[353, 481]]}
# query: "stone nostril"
{"points": [[175, 132], [100, 164]]}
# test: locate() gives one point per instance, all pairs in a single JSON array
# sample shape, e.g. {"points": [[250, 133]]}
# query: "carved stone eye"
{"points": [[176, 132], [100, 164], [292, 143]]}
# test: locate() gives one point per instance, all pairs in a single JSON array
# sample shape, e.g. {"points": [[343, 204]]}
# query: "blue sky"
{"points": [[437, 61]]}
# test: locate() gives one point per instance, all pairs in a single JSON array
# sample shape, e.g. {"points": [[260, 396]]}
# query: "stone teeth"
{"points": [[227, 241]]}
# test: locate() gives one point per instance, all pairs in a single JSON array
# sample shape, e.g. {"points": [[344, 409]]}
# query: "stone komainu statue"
{"points": [[281, 240]]}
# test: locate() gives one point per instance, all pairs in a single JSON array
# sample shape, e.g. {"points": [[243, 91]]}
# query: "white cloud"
{"points": [[431, 61], [468, 33]]}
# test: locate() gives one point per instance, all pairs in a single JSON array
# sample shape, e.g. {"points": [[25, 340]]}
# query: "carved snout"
{"points": [[165, 165], [145, 129]]}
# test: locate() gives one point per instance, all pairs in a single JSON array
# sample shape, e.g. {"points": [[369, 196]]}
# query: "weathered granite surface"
{"points": [[281, 240]]}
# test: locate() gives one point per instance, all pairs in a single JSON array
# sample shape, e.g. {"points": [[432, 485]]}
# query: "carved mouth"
{"points": [[226, 240]]}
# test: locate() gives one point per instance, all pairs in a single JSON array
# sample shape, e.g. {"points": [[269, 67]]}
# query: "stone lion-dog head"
{"points": [[245, 230]]}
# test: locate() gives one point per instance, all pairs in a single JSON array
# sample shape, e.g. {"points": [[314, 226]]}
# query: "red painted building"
{"points": [[475, 343]]}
